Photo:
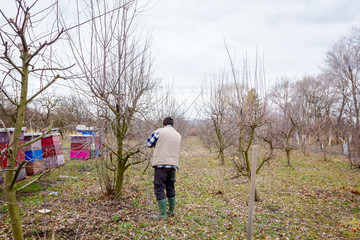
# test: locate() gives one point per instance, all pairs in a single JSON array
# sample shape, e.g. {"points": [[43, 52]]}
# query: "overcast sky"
{"points": [[188, 36]]}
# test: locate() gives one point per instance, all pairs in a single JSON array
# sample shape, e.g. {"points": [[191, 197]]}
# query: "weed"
{"points": [[136, 204]]}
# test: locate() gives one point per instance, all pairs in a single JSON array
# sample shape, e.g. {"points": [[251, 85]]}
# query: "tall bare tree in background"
{"points": [[309, 105], [285, 122], [116, 67], [324, 126], [26, 56], [281, 95], [342, 67], [71, 111], [164, 104], [340, 121], [215, 108], [46, 104]]}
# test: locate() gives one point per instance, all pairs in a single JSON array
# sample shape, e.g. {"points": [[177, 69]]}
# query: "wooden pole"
{"points": [[252, 193]]}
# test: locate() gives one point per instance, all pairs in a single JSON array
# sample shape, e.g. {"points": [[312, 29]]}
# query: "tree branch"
{"points": [[105, 145], [38, 138], [8, 59], [36, 179], [43, 89], [8, 97], [17, 172], [51, 69], [43, 45]]}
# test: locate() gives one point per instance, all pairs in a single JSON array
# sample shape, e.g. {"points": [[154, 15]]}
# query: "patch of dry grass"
{"points": [[312, 199]]}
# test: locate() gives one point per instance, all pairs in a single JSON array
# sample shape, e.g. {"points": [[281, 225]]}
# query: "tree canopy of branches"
{"points": [[116, 66], [285, 120], [214, 108], [236, 110], [343, 72]]}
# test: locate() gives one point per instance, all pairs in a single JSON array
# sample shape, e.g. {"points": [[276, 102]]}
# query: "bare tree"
{"points": [[282, 96], [164, 104], [285, 123], [215, 108], [73, 110], [246, 121], [46, 104], [307, 98], [341, 94], [26, 55], [324, 126], [286, 129], [116, 68], [247, 117], [342, 67]]}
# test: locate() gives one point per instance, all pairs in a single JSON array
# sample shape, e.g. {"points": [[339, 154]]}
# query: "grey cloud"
{"points": [[318, 12]]}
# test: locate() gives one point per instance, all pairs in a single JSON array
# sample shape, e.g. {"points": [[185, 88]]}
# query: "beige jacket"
{"points": [[167, 149]]}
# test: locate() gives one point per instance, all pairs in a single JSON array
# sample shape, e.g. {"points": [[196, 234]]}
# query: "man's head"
{"points": [[168, 121]]}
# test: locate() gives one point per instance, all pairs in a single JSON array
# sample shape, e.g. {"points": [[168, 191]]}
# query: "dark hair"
{"points": [[168, 121]]}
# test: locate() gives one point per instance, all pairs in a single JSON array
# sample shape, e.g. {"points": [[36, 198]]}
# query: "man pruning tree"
{"points": [[165, 161]]}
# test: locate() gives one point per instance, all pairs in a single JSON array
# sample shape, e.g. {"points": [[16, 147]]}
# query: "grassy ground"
{"points": [[312, 199]]}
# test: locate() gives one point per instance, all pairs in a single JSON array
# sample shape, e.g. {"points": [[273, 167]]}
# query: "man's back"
{"points": [[167, 147]]}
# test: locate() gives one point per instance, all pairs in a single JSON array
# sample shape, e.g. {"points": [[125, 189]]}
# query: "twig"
{"points": [[146, 168], [36, 179]]}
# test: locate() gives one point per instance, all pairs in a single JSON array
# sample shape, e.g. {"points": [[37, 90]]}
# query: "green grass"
{"points": [[312, 199]]}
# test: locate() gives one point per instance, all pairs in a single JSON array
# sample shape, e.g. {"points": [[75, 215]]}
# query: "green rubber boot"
{"points": [[162, 210], [171, 212]]}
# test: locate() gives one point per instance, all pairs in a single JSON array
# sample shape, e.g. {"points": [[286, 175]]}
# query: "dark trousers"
{"points": [[164, 178]]}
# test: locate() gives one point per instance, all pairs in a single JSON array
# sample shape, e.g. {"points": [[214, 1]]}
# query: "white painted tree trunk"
{"points": [[345, 146], [298, 139]]}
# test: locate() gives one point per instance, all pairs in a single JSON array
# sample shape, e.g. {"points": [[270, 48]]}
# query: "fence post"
{"points": [[252, 193]]}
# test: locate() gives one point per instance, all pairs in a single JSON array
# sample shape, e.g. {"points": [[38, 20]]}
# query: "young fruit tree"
{"points": [[247, 118], [214, 108], [116, 68], [285, 121], [27, 58], [247, 121]]}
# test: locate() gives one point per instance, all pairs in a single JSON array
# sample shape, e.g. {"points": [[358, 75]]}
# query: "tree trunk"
{"points": [[303, 148], [13, 208], [325, 152], [9, 190], [120, 161], [222, 157], [288, 156], [221, 145], [119, 179]]}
